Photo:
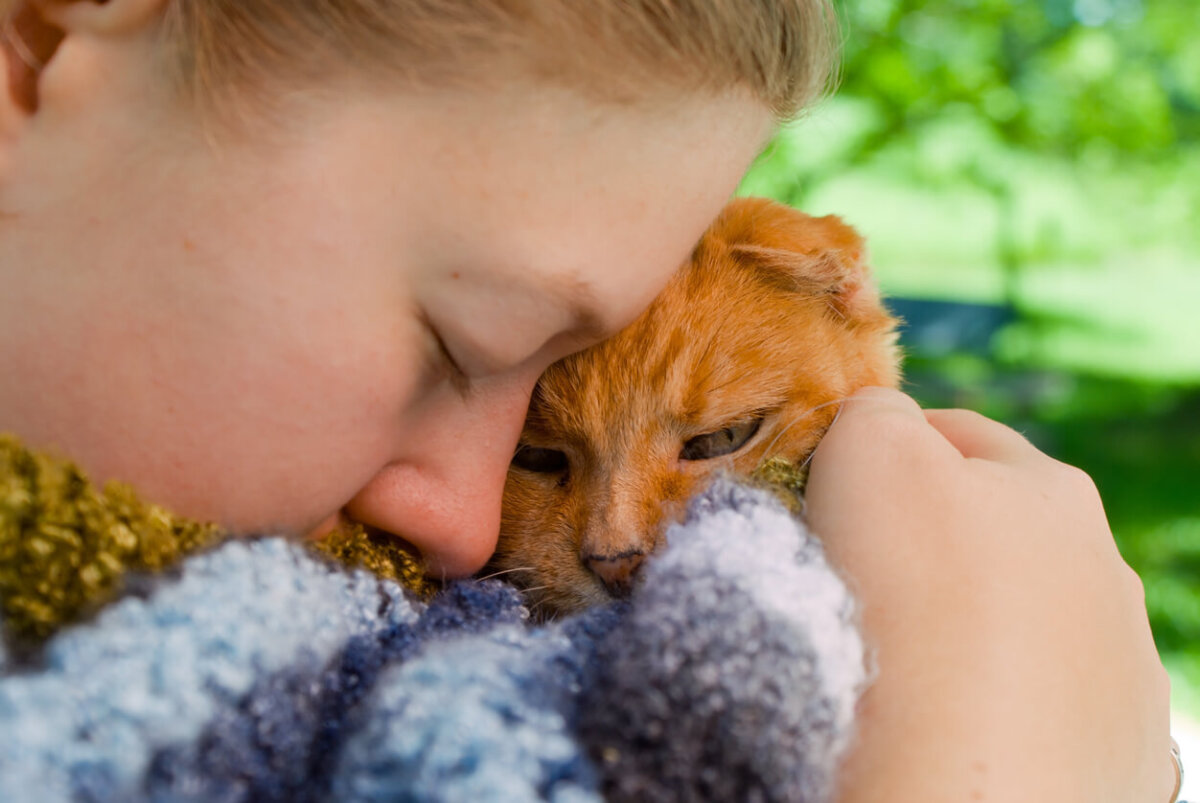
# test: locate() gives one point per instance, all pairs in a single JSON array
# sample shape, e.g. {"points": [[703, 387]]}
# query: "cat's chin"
{"points": [[559, 601]]}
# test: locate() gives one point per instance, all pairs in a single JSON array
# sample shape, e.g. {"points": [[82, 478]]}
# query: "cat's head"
{"points": [[742, 358]]}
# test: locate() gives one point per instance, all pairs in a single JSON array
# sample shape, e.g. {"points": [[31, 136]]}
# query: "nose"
{"points": [[618, 529], [442, 493], [616, 571]]}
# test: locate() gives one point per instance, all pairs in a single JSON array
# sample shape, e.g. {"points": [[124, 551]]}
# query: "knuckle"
{"points": [[1077, 480], [869, 406], [1132, 582], [973, 417], [889, 396]]}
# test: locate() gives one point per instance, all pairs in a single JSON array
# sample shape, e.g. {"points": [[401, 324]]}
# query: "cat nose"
{"points": [[616, 571]]}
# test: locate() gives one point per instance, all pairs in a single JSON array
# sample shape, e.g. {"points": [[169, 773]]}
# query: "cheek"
{"points": [[318, 425], [539, 545], [533, 514]]}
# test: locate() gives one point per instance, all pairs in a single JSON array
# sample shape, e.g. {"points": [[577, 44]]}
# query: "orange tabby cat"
{"points": [[742, 358]]}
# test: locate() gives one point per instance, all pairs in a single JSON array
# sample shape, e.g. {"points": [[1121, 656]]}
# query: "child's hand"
{"points": [[1014, 656]]}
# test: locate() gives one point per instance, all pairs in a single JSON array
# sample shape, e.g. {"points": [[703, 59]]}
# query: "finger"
{"points": [[882, 422], [872, 398], [974, 435], [871, 403]]}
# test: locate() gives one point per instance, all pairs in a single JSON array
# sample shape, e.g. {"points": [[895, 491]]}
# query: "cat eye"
{"points": [[722, 442], [539, 460]]}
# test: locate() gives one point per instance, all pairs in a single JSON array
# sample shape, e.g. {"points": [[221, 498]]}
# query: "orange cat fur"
{"points": [[773, 320]]}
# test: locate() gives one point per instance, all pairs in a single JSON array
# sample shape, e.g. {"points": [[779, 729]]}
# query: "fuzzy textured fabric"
{"points": [[257, 671], [67, 547]]}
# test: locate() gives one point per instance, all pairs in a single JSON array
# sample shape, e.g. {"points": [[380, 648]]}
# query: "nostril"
{"points": [[616, 571]]}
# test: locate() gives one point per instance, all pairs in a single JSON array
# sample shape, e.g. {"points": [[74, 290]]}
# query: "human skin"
{"points": [[237, 325], [243, 328], [1015, 658]]}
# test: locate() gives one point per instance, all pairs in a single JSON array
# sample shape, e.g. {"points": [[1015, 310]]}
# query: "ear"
{"points": [[32, 33], [28, 42], [803, 254]]}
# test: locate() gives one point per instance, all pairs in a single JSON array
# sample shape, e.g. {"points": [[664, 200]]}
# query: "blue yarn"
{"points": [[148, 674], [278, 742], [261, 674], [735, 673], [485, 718]]}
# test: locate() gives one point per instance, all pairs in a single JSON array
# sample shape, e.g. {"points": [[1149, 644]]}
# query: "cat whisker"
{"points": [[836, 416], [767, 453], [508, 571], [774, 441], [535, 612], [841, 408]]}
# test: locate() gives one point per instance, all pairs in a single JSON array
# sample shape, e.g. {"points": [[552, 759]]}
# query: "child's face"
{"points": [[249, 333]]}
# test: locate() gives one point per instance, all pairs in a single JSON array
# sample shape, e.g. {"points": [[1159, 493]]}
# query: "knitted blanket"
{"points": [[258, 671]]}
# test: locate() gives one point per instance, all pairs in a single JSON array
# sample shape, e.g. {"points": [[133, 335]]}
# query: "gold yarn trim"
{"points": [[786, 479], [358, 547], [65, 546]]}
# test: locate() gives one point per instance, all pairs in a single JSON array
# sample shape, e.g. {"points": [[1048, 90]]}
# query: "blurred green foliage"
{"points": [[1042, 156], [1097, 80], [1057, 76]]}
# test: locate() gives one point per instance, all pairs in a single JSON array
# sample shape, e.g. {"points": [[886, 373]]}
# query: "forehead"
{"points": [[595, 203]]}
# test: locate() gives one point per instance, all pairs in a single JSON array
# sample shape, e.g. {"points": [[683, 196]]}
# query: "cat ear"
{"points": [[798, 253]]}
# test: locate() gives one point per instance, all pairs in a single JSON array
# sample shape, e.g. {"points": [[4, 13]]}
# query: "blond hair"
{"points": [[781, 51]]}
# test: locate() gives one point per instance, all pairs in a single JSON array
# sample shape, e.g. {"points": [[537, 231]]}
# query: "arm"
{"points": [[1015, 658]]}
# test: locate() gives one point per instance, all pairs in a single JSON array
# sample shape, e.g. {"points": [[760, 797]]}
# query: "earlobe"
{"points": [[101, 16], [28, 42], [30, 37]]}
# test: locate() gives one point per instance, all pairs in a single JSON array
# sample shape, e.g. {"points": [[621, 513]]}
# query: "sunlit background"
{"points": [[1027, 175]]}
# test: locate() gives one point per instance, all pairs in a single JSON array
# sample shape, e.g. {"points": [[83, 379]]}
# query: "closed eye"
{"points": [[720, 443], [539, 460]]}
